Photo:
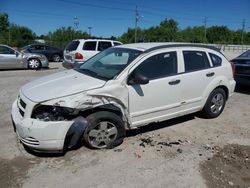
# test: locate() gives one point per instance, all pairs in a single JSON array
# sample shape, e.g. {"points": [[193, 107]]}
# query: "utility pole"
{"points": [[137, 19], [76, 23], [205, 30], [243, 29], [90, 30]]}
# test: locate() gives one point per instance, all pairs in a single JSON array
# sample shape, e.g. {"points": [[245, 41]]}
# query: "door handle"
{"points": [[174, 82], [210, 74]]}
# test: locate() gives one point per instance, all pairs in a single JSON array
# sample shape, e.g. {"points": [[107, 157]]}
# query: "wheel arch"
{"points": [[220, 82]]}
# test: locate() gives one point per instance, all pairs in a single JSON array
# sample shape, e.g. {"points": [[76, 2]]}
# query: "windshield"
{"points": [[109, 63], [71, 46], [245, 54]]}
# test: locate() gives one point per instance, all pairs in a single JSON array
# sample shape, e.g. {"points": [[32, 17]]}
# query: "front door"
{"points": [[9, 59], [159, 99]]}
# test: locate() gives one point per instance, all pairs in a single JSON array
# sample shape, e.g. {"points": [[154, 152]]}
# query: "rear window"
{"points": [[216, 60], [195, 60], [72, 46], [91, 46], [103, 45]]}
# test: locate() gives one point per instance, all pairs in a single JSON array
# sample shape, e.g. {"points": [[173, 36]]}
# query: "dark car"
{"points": [[242, 68], [52, 53]]}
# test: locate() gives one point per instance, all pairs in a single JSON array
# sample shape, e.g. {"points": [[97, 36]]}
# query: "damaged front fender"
{"points": [[75, 132]]}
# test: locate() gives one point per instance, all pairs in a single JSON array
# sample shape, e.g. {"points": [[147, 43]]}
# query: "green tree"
{"points": [[218, 34], [4, 26], [192, 34], [63, 35], [20, 35], [4, 22]]}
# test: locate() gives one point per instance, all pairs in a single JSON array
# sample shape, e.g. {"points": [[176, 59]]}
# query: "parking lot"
{"points": [[183, 152]]}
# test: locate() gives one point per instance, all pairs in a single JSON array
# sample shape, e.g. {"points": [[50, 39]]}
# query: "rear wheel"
{"points": [[34, 63], [56, 58], [105, 130], [215, 103]]}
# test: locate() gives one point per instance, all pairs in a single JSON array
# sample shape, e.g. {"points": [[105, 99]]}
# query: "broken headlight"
{"points": [[53, 113]]}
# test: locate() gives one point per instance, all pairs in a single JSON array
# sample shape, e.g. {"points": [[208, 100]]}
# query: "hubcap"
{"points": [[103, 134], [217, 103], [33, 63]]}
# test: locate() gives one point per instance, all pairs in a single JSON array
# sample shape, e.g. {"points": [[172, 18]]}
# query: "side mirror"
{"points": [[137, 79], [16, 53]]}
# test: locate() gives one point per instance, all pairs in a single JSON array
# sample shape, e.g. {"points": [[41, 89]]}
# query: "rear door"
{"points": [[196, 76]]}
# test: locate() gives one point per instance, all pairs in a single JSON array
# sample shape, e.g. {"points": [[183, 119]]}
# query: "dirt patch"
{"points": [[229, 167], [13, 172]]}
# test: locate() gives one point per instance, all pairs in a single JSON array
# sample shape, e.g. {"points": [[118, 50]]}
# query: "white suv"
{"points": [[80, 50], [121, 88]]}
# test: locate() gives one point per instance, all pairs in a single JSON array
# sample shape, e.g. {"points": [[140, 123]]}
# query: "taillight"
{"points": [[233, 68], [78, 55]]}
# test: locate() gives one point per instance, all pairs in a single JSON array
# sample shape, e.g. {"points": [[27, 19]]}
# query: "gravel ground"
{"points": [[183, 152]]}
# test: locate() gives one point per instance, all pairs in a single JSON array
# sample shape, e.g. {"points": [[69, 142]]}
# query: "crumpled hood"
{"points": [[59, 85]]}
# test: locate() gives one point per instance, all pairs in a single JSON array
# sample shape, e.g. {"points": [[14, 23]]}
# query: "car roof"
{"points": [[147, 47], [96, 40]]}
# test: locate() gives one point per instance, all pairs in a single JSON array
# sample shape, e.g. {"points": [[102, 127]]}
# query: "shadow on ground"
{"points": [[243, 89], [155, 126]]}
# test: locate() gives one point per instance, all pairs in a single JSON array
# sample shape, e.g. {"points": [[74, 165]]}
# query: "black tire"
{"points": [[94, 127], [34, 63], [215, 104], [56, 58]]}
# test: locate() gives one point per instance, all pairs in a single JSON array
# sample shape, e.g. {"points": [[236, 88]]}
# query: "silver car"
{"points": [[13, 59]]}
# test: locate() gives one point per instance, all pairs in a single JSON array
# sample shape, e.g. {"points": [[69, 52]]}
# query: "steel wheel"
{"points": [[34, 63], [217, 103], [102, 135]]}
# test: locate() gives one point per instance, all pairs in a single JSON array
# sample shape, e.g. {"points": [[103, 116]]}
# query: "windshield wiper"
{"points": [[92, 73]]}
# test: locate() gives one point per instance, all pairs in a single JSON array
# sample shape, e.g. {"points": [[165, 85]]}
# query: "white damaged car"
{"points": [[121, 88]]}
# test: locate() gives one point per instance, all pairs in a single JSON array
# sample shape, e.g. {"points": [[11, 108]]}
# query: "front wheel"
{"points": [[34, 63], [215, 103], [105, 130]]}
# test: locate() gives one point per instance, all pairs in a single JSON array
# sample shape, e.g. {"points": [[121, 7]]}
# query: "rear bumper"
{"points": [[242, 79], [69, 65]]}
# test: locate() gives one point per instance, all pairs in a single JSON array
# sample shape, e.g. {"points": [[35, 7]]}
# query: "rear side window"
{"points": [[103, 45], [72, 46], [195, 60], [216, 60], [91, 46], [159, 66], [116, 43]]}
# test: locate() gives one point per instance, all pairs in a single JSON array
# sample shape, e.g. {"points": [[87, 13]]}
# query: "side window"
{"points": [[216, 60], [195, 60], [158, 66], [89, 46], [6, 50], [32, 47], [103, 45]]}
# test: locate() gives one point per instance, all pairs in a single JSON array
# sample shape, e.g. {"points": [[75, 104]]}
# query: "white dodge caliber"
{"points": [[121, 88]]}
